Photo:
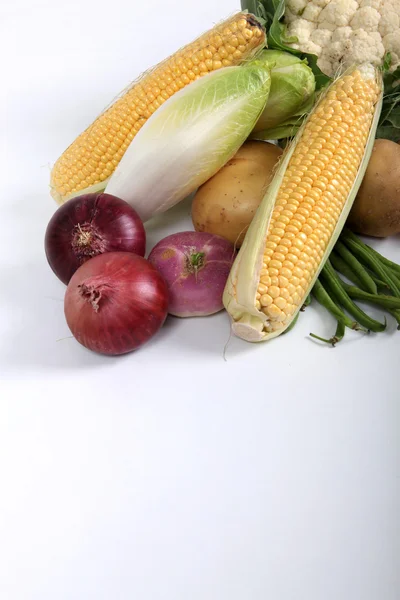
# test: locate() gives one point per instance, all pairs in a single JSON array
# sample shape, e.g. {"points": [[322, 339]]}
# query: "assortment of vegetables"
{"points": [[199, 121], [87, 164], [190, 138]]}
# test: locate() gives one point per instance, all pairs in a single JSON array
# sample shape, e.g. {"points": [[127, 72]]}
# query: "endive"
{"points": [[305, 208], [190, 138]]}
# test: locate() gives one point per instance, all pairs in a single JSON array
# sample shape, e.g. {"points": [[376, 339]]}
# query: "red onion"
{"points": [[115, 302], [89, 225], [195, 266]]}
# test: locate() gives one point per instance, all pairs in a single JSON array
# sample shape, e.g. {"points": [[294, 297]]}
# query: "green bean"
{"points": [[396, 315], [367, 282], [306, 303], [368, 258], [392, 265], [336, 286], [322, 296], [395, 276], [381, 285], [339, 335], [390, 302], [343, 268]]}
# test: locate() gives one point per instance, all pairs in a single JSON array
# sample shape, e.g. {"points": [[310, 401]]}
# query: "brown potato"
{"points": [[376, 209], [226, 203]]}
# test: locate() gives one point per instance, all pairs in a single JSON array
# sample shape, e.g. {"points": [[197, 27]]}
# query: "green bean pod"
{"points": [[322, 296], [396, 314], [381, 285], [388, 263], [395, 276], [368, 258], [343, 268], [367, 282], [335, 284], [307, 302], [389, 302], [339, 335]]}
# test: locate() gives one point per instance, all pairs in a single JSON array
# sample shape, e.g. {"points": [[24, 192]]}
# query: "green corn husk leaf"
{"points": [[189, 138], [241, 288], [291, 96]]}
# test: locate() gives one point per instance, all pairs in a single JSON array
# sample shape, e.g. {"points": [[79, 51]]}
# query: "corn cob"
{"points": [[91, 159], [305, 208]]}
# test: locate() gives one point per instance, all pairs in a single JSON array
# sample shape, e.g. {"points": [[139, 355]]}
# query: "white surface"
{"points": [[170, 474]]}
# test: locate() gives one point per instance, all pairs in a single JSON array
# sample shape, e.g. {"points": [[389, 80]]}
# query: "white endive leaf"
{"points": [[189, 138]]}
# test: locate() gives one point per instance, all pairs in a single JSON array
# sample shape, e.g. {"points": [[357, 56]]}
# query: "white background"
{"points": [[170, 474]]}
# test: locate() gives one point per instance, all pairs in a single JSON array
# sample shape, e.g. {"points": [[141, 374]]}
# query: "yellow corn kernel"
{"points": [[123, 119]]}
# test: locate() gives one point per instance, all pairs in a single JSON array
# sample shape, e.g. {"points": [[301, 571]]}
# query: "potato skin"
{"points": [[226, 203], [376, 209]]}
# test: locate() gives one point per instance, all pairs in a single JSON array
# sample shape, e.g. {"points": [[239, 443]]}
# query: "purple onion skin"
{"points": [[89, 225], [195, 266], [115, 303]]}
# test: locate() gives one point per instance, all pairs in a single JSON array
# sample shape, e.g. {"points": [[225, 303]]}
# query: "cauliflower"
{"points": [[362, 43], [302, 29], [341, 34], [391, 42], [346, 32], [296, 6], [337, 13], [366, 18], [372, 3], [311, 12], [322, 37]]}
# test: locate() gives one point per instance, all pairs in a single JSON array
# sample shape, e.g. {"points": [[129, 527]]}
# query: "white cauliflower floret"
{"points": [[336, 51], [338, 12], [311, 12], [311, 48], [296, 6], [366, 18], [302, 30], [391, 42], [346, 32], [321, 37], [324, 64], [327, 25], [372, 3], [390, 18], [289, 16], [341, 34], [366, 47], [321, 3]]}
